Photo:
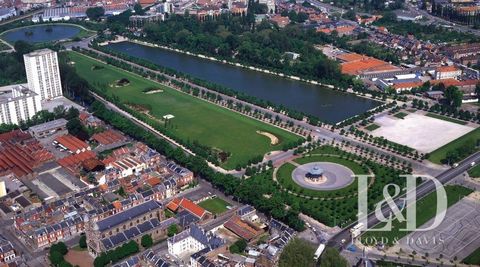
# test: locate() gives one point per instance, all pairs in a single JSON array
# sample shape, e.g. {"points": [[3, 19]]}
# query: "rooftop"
{"points": [[49, 125], [39, 52], [127, 215]]}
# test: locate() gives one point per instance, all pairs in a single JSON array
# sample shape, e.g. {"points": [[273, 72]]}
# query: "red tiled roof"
{"points": [[108, 137], [241, 228], [447, 69], [73, 161], [154, 181], [20, 153], [192, 207], [72, 143], [188, 205], [174, 204]]}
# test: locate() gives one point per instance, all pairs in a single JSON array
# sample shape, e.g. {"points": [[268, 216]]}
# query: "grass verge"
{"points": [[372, 127], [445, 118], [215, 205], [440, 153]]}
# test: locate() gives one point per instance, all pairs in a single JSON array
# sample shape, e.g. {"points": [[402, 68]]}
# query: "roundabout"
{"points": [[322, 176]]}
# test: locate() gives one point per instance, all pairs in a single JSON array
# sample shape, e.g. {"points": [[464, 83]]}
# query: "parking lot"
{"points": [[457, 236], [420, 132]]}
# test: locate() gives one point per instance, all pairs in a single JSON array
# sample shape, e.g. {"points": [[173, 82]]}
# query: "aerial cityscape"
{"points": [[239, 133]]}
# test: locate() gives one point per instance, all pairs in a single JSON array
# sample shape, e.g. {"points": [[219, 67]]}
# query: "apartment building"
{"points": [[17, 104], [43, 74]]}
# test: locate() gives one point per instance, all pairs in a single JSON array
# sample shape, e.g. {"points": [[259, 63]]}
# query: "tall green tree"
{"points": [[453, 96], [95, 13], [297, 253], [147, 241], [332, 258]]}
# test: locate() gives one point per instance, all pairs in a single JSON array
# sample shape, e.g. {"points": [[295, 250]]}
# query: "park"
{"points": [[194, 120]]}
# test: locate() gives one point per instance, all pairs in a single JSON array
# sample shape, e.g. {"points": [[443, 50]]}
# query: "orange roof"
{"points": [[347, 57], [192, 207], [188, 205], [174, 204], [407, 85], [71, 142], [154, 181], [447, 69], [242, 228], [324, 30], [117, 204], [345, 29], [446, 82], [366, 64], [103, 187]]}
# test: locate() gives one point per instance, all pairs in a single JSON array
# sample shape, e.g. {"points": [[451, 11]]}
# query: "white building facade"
{"points": [[43, 74], [18, 103]]}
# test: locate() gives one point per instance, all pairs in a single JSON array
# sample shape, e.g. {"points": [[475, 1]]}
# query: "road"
{"points": [[431, 19], [422, 190], [21, 17]]}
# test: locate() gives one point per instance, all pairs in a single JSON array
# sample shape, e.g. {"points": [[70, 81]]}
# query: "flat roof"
{"points": [[39, 52], [49, 125], [53, 183]]}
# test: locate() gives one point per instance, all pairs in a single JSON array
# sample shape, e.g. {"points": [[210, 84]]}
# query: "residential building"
{"points": [[6, 13], [17, 104], [192, 241], [7, 252], [43, 74], [447, 72]]}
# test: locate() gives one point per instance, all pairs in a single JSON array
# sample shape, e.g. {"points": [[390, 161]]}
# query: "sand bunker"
{"points": [[154, 91], [273, 139]]}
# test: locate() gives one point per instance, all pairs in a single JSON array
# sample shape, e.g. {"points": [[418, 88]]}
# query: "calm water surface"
{"points": [[40, 34]]}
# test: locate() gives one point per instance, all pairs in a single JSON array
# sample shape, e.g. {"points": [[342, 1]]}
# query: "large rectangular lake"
{"points": [[328, 105]]}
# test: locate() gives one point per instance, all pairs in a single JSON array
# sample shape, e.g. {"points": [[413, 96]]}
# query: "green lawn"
{"points": [[445, 118], [426, 210], [474, 258], [195, 119], [215, 205], [401, 115], [440, 153], [474, 172], [372, 127]]}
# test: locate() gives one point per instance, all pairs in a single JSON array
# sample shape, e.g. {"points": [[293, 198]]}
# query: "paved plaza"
{"points": [[420, 132], [458, 235], [337, 176]]}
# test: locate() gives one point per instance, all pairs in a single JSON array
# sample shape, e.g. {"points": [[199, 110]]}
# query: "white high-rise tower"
{"points": [[43, 74]]}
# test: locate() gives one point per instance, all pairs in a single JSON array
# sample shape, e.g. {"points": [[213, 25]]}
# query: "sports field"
{"points": [[194, 119], [214, 205]]}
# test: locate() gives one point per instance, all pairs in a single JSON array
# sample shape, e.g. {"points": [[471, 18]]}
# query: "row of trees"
{"points": [[433, 32], [117, 254]]}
